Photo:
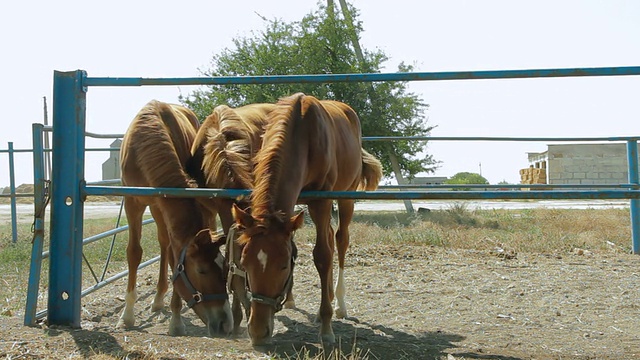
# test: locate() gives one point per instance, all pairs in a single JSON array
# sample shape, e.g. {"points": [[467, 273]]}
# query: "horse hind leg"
{"points": [[345, 208], [163, 239], [133, 211]]}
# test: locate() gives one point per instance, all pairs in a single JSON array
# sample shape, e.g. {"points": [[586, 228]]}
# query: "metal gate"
{"points": [[68, 188]]}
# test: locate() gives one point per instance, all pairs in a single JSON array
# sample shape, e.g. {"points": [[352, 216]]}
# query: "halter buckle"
{"points": [[197, 297]]}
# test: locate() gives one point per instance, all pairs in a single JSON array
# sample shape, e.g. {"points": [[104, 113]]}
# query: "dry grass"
{"points": [[503, 232], [529, 230]]}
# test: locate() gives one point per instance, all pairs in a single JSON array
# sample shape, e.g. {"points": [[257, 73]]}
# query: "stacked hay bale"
{"points": [[533, 175]]}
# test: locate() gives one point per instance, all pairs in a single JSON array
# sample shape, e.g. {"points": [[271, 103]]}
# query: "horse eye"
{"points": [[285, 267]]}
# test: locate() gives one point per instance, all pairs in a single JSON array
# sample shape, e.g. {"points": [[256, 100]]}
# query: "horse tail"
{"points": [[371, 172]]}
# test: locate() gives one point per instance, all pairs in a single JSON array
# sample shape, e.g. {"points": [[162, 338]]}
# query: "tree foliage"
{"points": [[462, 178], [317, 45]]}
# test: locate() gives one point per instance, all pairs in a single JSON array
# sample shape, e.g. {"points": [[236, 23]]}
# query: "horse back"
{"points": [[335, 141], [156, 146]]}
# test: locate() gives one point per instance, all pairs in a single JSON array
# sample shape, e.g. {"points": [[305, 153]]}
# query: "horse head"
{"points": [[199, 277], [267, 258]]}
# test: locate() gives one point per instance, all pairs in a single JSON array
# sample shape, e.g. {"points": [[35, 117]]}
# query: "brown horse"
{"points": [[222, 158], [308, 145], [155, 150]]}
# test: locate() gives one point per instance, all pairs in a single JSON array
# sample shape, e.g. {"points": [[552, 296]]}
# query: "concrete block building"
{"points": [[590, 164]]}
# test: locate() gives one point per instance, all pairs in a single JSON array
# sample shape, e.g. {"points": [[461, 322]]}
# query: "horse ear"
{"points": [[242, 217], [203, 237], [297, 221], [219, 240]]}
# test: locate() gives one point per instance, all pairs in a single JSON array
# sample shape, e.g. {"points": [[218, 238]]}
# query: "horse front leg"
{"points": [[345, 213], [240, 300], [320, 212], [233, 253], [290, 303], [134, 211], [176, 325]]}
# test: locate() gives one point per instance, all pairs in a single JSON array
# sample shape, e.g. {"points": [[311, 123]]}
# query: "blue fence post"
{"points": [[12, 188], [65, 264], [634, 205], [39, 205]]}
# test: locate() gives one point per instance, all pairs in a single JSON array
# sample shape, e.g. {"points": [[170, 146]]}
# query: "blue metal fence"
{"points": [[69, 188], [12, 195]]}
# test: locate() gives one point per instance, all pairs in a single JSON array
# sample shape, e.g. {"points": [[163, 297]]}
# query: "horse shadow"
{"points": [[355, 339], [146, 319]]}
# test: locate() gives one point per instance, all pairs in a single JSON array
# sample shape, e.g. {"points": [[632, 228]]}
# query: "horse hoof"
{"points": [[340, 313], [155, 307], [177, 330], [328, 339], [289, 304], [125, 323]]}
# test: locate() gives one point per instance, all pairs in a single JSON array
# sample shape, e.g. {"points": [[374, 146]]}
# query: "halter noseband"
{"points": [[276, 302], [196, 296], [236, 269]]}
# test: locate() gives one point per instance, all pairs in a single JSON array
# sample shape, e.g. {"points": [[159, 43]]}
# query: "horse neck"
{"points": [[281, 168], [183, 220]]}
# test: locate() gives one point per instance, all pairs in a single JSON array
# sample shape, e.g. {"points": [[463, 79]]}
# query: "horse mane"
{"points": [[227, 152], [231, 139], [161, 140], [270, 159]]}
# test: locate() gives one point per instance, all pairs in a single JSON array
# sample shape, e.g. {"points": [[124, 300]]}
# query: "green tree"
{"points": [[463, 178], [316, 45]]}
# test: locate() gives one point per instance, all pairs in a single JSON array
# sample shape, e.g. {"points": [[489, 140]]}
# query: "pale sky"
{"points": [[164, 39]]}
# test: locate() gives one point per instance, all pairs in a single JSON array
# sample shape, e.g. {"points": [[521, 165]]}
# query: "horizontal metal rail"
{"points": [[370, 77], [498, 138], [106, 182], [424, 138], [509, 186], [16, 195], [105, 282], [89, 240], [369, 195]]}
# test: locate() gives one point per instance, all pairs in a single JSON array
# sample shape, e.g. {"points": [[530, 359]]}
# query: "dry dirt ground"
{"points": [[409, 302]]}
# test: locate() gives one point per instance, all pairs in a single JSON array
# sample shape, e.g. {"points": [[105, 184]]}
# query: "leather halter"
{"points": [[276, 302], [196, 296], [235, 269]]}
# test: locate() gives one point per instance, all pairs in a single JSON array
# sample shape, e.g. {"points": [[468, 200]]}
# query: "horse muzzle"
{"points": [[260, 325], [219, 321]]}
